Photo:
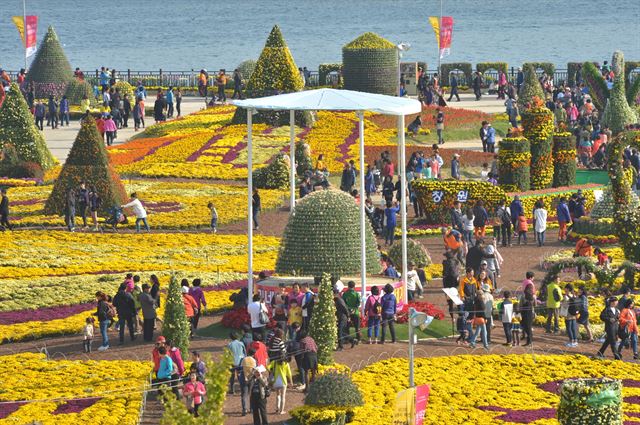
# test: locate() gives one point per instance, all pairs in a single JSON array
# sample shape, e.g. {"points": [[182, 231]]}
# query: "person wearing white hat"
{"points": [[259, 391], [487, 298]]}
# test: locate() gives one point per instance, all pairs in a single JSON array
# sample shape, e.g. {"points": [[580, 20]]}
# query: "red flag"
{"points": [[28, 34], [446, 31]]}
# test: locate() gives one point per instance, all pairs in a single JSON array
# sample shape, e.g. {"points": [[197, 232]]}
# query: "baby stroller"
{"points": [[116, 216], [377, 221]]}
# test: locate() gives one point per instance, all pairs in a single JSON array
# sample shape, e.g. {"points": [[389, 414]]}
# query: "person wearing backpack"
{"points": [[106, 314], [389, 307], [373, 310], [504, 215], [572, 305], [353, 301], [554, 297]]}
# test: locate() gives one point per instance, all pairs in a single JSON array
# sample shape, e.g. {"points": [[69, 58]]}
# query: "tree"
{"points": [[303, 158], [323, 236], [274, 175], [531, 88], [618, 114], [18, 128], [416, 254], [87, 162], [50, 70], [210, 412], [176, 327], [323, 328]]}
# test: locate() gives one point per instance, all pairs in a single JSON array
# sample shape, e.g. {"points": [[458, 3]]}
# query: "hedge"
{"points": [[325, 69], [514, 160], [538, 129], [564, 159], [437, 196], [482, 67], [547, 67], [370, 64], [628, 67], [446, 68]]}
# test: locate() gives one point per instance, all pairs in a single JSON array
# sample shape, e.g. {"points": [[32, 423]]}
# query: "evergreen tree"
{"points": [[323, 328], [87, 162], [210, 412], [530, 89], [50, 70], [176, 327], [618, 114], [18, 128]]}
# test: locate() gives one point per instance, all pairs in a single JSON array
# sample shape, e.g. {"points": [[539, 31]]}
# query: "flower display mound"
{"points": [[323, 236], [421, 306], [514, 160], [601, 231], [596, 84], [70, 391], [50, 71], [125, 89], [275, 73], [18, 128], [564, 159], [77, 90], [531, 88], [417, 254], [490, 389], [87, 162], [606, 206], [370, 64], [588, 401], [438, 196]]}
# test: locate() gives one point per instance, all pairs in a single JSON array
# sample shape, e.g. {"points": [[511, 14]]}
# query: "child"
{"points": [[88, 334], [515, 326], [193, 392], [461, 326], [214, 217], [523, 226], [506, 314], [295, 318]]}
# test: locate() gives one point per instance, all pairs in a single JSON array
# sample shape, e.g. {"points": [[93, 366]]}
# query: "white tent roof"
{"points": [[334, 100]]}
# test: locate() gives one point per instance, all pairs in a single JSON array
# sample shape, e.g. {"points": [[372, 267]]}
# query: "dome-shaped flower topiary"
{"points": [[416, 254], [334, 389], [323, 236], [605, 207], [77, 89]]}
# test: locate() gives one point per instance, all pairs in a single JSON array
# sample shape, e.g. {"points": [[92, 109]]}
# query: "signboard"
{"points": [[411, 405]]}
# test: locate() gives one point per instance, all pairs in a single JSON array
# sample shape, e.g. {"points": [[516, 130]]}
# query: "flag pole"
{"points": [[24, 24]]}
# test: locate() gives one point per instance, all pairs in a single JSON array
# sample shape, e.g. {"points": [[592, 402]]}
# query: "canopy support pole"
{"points": [[363, 234], [250, 202], [292, 161], [403, 202]]}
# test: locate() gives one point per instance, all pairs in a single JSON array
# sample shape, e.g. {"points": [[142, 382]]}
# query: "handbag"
{"points": [[623, 332], [263, 317]]}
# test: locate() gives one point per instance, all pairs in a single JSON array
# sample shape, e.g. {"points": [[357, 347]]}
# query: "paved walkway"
{"points": [[489, 103], [61, 139]]}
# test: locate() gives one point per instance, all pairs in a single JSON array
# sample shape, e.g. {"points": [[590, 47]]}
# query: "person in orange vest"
{"points": [[584, 248], [454, 243], [190, 306]]}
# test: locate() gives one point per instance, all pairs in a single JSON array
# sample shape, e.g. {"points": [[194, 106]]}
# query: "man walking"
{"points": [[126, 308], [610, 316], [477, 85], [342, 317], [169, 99], [453, 84], [353, 301], [554, 297], [148, 305]]}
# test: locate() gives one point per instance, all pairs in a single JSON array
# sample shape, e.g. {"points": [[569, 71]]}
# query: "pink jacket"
{"points": [[109, 125], [572, 112], [196, 391]]}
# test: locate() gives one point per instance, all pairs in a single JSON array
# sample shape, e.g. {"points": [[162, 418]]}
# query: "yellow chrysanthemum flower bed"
{"points": [[479, 390], [71, 392]]}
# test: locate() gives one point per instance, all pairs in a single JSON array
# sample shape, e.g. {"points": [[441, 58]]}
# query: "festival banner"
{"points": [[435, 24], [29, 41], [446, 31], [404, 409], [422, 399]]}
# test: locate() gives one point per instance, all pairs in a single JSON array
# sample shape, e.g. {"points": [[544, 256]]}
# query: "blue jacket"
{"points": [[238, 351], [491, 135], [516, 209], [104, 78], [369, 183], [388, 304], [169, 96], [64, 105], [165, 370], [390, 213], [563, 212]]}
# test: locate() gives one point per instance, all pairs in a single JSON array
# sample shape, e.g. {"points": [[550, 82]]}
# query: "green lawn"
{"points": [[458, 134], [215, 331]]}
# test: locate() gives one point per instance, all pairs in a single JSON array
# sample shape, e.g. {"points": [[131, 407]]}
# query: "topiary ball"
{"points": [[334, 389], [323, 236], [416, 254]]}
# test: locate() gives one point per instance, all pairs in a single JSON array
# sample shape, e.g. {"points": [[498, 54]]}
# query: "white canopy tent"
{"points": [[332, 100]]}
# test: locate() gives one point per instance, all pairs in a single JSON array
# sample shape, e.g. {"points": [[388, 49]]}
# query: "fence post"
{"points": [[129, 75], [160, 79]]}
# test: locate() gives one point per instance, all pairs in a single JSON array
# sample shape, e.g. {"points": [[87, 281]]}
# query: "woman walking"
{"points": [[94, 204], [105, 314], [259, 390], [526, 307], [281, 372], [540, 222], [389, 309], [570, 306], [583, 317], [373, 310], [628, 328]]}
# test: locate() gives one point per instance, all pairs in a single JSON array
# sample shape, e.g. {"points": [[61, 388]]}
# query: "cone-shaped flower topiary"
{"points": [[618, 114], [531, 88], [370, 64], [176, 327], [323, 328], [275, 71], [87, 162], [77, 89], [606, 206], [50, 70], [416, 254], [323, 236], [18, 128]]}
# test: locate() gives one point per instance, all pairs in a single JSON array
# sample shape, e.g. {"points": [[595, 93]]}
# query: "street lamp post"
{"points": [[402, 47]]}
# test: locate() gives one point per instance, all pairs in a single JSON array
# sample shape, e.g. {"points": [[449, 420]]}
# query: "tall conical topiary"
{"points": [[87, 162], [275, 73], [323, 328], [323, 236], [531, 88], [18, 128], [176, 327], [618, 114], [50, 70]]}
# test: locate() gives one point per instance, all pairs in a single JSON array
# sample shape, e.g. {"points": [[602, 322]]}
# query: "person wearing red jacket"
{"points": [[190, 306]]}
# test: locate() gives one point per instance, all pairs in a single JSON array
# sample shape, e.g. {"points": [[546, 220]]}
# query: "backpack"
{"points": [[111, 311], [505, 216], [573, 307], [377, 307], [556, 295]]}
